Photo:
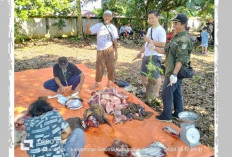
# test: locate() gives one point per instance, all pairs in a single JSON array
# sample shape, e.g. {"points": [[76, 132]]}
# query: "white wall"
{"points": [[69, 29], [36, 27]]}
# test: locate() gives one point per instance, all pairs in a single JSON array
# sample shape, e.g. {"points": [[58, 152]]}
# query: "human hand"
{"points": [[89, 25], [139, 55], [147, 39], [173, 80], [62, 90], [116, 56]]}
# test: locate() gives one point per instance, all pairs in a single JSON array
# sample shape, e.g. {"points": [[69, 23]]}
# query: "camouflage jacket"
{"points": [[178, 50]]}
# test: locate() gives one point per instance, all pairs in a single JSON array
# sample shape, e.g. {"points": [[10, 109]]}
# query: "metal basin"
{"points": [[188, 117]]}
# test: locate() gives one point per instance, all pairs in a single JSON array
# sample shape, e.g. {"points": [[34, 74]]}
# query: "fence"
{"points": [[39, 27]]}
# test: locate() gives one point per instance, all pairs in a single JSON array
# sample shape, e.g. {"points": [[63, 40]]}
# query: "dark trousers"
{"points": [[52, 85], [172, 95]]}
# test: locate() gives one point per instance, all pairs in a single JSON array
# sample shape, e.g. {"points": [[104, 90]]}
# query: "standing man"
{"points": [[156, 36], [177, 55], [107, 53], [65, 74]]}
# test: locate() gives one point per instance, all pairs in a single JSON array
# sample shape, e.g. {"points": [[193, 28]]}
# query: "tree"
{"points": [[79, 3], [79, 21], [139, 9], [25, 8]]}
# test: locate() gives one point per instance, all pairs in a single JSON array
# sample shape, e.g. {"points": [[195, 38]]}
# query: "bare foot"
{"points": [[94, 86], [108, 85], [157, 95]]}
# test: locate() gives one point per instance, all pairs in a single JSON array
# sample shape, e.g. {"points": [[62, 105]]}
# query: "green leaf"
{"points": [[180, 8], [198, 2], [190, 5], [192, 12], [144, 73]]}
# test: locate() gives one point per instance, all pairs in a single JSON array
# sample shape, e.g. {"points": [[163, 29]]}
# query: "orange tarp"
{"points": [[138, 134]]}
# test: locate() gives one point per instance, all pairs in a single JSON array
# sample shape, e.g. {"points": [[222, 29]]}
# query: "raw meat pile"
{"points": [[114, 103], [110, 99]]}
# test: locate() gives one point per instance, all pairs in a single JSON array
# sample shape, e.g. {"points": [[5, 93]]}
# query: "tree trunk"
{"points": [[146, 12], [166, 22], [150, 93], [79, 20]]}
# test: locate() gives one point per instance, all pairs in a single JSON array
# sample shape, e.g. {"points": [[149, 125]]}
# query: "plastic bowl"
{"points": [[188, 117]]}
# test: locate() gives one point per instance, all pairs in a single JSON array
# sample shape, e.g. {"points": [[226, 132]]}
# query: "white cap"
{"points": [[108, 12]]}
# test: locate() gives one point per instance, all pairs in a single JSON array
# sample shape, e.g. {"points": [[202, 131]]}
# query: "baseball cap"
{"points": [[63, 62], [108, 12], [182, 18]]}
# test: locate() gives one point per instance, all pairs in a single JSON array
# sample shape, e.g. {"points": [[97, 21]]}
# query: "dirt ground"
{"points": [[198, 92]]}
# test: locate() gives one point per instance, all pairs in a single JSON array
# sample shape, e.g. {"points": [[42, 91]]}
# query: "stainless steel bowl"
{"points": [[188, 117]]}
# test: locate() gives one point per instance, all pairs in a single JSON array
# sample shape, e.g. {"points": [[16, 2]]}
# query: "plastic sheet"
{"points": [[138, 134]]}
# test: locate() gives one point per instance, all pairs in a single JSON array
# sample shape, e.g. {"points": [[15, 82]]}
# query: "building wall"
{"points": [[33, 27], [41, 27], [69, 29]]}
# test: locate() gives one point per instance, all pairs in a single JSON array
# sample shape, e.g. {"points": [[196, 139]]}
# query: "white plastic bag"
{"points": [[74, 104], [61, 99]]}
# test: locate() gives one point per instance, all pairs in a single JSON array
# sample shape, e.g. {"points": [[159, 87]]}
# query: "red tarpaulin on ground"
{"points": [[138, 134]]}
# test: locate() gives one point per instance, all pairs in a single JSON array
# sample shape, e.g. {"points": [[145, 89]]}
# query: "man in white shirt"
{"points": [[156, 37], [107, 54], [129, 31]]}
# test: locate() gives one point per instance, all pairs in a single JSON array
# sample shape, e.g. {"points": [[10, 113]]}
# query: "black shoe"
{"points": [[175, 117], [160, 118]]}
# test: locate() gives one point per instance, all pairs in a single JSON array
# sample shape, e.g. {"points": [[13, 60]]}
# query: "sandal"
{"points": [[122, 83], [140, 92]]}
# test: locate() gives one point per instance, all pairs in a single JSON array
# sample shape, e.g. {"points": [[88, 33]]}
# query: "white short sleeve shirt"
{"points": [[103, 36], [158, 34], [128, 29]]}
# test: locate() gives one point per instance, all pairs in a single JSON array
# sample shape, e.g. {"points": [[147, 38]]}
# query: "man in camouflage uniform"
{"points": [[177, 55]]}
